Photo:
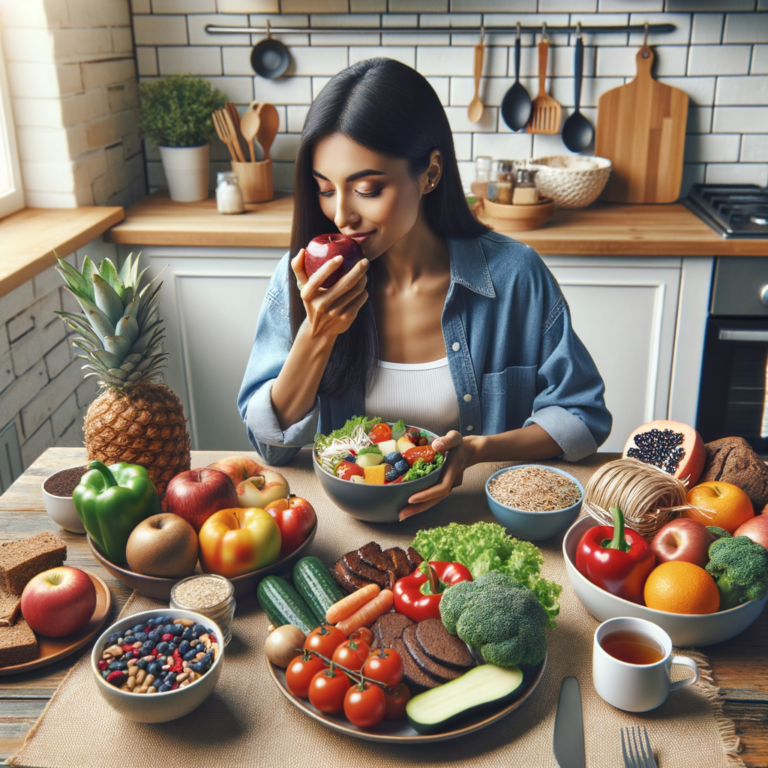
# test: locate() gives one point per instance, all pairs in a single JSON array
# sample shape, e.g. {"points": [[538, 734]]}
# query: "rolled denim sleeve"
{"points": [[270, 350], [569, 404]]}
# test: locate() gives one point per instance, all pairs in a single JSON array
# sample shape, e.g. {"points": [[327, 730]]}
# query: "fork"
{"points": [[635, 753]]}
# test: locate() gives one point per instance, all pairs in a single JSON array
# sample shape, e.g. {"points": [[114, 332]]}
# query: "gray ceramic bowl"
{"points": [[61, 509], [533, 526], [157, 707], [373, 503]]}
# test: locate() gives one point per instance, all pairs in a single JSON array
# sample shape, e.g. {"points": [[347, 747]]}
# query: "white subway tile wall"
{"points": [[718, 55]]}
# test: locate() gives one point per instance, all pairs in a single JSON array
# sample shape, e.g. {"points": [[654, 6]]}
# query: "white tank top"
{"points": [[421, 394]]}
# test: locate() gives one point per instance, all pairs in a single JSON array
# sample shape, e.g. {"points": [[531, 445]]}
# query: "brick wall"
{"points": [[718, 55], [72, 77]]}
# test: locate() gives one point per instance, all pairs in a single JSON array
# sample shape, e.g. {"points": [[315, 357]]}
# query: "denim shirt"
{"points": [[513, 355]]}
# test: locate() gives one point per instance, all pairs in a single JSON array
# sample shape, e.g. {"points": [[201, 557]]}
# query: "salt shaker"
{"points": [[229, 196], [504, 183]]}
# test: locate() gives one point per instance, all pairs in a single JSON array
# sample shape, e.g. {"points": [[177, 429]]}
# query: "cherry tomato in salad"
{"points": [[380, 433], [426, 452], [385, 666], [396, 702], [346, 469], [364, 635], [328, 689], [413, 434], [365, 705], [325, 639], [351, 654], [299, 674]]}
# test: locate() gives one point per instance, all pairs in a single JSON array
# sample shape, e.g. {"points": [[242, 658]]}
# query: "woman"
{"points": [[444, 323]]}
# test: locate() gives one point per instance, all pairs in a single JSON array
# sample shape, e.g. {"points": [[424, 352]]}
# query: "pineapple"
{"points": [[135, 419]]}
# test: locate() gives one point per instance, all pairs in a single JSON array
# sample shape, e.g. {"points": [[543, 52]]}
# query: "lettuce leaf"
{"points": [[420, 468]]}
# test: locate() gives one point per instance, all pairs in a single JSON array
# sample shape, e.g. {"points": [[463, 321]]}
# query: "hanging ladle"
{"points": [[516, 107], [578, 132]]}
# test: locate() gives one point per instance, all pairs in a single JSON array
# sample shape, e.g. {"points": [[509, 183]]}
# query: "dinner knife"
{"points": [[569, 730]]}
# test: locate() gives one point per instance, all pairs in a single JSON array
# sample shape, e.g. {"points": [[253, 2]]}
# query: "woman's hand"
{"points": [[462, 456], [330, 311]]}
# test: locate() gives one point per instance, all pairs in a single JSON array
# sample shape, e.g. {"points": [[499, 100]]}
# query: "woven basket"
{"points": [[561, 178]]}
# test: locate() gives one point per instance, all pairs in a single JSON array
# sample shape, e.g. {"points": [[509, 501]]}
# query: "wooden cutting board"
{"points": [[641, 130]]}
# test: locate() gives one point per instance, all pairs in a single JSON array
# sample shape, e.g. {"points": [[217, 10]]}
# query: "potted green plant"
{"points": [[176, 115]]}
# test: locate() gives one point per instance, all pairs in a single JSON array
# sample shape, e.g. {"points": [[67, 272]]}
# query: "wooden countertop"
{"points": [[600, 230], [29, 237]]}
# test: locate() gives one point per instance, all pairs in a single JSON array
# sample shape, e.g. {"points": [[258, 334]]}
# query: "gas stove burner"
{"points": [[731, 210]]}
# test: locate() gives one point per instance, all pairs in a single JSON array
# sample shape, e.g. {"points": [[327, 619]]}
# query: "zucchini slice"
{"points": [[483, 687]]}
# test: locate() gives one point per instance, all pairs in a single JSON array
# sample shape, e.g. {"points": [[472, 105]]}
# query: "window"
{"points": [[11, 193]]}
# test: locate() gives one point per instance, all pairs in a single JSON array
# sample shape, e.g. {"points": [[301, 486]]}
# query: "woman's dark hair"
{"points": [[390, 108]]}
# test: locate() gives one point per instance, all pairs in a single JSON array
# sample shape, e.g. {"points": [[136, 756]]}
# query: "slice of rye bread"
{"points": [[10, 605], [17, 644], [372, 555], [389, 628], [430, 666], [21, 560], [346, 580], [400, 559], [413, 675], [438, 644], [414, 558], [355, 565]]}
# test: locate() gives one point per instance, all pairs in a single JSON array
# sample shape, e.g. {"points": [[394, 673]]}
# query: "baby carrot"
{"points": [[368, 613], [345, 607]]}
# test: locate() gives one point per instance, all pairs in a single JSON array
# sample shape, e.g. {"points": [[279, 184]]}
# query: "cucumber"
{"points": [[283, 605], [483, 687], [315, 585]]}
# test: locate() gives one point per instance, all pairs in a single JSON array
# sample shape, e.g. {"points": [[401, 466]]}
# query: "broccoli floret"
{"points": [[740, 569], [499, 617], [719, 533]]}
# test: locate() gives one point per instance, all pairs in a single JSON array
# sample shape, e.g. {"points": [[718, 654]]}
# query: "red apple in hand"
{"points": [[58, 602], [238, 468], [326, 247], [755, 528], [197, 493], [682, 539], [295, 517]]}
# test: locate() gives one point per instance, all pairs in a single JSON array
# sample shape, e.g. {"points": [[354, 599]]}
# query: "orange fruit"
{"points": [[680, 587], [729, 505]]}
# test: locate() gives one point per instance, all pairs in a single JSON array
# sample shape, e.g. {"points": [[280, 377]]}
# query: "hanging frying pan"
{"points": [[270, 58]]}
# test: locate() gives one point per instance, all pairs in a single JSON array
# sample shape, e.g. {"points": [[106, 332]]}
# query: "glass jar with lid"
{"points": [[210, 595], [229, 196], [483, 164], [525, 192], [505, 182]]}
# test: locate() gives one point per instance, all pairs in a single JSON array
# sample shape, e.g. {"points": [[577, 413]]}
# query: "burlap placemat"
{"points": [[248, 722]]}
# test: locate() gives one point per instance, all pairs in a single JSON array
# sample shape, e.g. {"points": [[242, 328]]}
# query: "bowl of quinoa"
{"points": [[534, 502]]}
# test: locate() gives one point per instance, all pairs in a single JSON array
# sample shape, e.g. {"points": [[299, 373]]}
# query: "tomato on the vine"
{"points": [[365, 705], [386, 666], [325, 639], [396, 702], [299, 674], [327, 690], [362, 635], [380, 433], [351, 654]]}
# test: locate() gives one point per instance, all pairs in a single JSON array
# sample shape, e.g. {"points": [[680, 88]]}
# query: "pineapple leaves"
{"points": [[89, 270], [97, 319], [125, 270], [128, 328], [77, 284], [107, 359], [117, 345], [107, 299]]}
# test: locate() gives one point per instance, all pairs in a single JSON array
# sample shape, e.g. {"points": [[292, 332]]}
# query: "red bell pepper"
{"points": [[616, 559], [418, 596]]}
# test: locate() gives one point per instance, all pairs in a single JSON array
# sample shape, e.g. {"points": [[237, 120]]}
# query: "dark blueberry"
{"points": [[121, 665], [391, 475], [198, 630], [164, 688], [189, 655], [402, 467], [183, 648], [113, 665], [155, 636], [155, 668], [138, 628], [393, 457], [168, 628], [147, 648], [141, 664], [169, 679], [162, 648], [105, 674], [113, 638], [188, 634], [139, 637], [198, 667], [209, 631], [178, 630]]}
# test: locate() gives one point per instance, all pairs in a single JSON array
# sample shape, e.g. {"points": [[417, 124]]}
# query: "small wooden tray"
{"points": [[520, 218], [51, 649]]}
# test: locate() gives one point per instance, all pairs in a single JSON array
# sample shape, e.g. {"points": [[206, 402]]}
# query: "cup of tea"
{"points": [[631, 664]]}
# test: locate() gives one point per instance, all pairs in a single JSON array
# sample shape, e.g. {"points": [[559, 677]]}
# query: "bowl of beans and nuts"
{"points": [[157, 666], [534, 502]]}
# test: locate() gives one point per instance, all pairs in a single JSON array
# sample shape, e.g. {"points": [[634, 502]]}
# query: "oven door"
{"points": [[733, 395]]}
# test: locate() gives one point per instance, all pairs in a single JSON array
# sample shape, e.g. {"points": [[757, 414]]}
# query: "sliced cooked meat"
{"points": [[430, 666], [389, 628], [346, 580], [415, 677], [400, 559], [414, 558], [352, 562], [438, 644], [371, 553]]}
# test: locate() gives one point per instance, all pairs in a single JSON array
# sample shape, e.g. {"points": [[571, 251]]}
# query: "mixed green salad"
{"points": [[368, 450]]}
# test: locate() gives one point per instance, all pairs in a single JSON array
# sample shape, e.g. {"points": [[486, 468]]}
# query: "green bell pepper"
{"points": [[112, 501]]}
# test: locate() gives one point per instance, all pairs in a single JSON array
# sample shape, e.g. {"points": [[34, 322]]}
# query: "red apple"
{"points": [[756, 529], [163, 545], [295, 517], [682, 539], [325, 247], [261, 489], [238, 468], [197, 493], [58, 602]]}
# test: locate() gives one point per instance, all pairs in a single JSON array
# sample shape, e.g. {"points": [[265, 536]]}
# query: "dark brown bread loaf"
{"points": [[732, 460], [357, 567], [414, 676], [23, 559], [400, 559], [439, 644], [17, 644], [414, 558], [372, 554], [389, 628], [10, 605], [439, 671], [346, 580]]}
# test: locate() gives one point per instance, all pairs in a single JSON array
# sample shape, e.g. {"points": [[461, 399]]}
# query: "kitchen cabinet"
{"points": [[626, 310]]}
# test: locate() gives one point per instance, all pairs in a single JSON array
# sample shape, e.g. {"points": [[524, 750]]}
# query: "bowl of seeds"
{"points": [[57, 496], [534, 502]]}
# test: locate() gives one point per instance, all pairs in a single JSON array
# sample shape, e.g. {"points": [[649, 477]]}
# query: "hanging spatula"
{"points": [[546, 113]]}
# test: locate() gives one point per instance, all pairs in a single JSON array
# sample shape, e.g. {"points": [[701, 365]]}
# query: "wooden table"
{"points": [[739, 665]]}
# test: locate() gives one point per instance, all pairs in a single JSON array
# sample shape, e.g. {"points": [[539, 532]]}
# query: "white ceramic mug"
{"points": [[636, 687]]}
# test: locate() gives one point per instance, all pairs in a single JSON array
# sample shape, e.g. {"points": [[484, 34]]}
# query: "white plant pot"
{"points": [[186, 171]]}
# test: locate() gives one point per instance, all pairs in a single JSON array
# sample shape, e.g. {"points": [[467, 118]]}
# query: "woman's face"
{"points": [[369, 196]]}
